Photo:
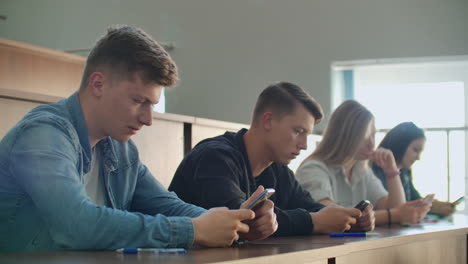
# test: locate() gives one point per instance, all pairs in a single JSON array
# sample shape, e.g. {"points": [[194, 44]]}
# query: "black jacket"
{"points": [[217, 173]]}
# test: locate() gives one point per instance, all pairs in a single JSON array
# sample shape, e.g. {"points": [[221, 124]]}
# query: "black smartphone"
{"points": [[260, 198], [362, 205]]}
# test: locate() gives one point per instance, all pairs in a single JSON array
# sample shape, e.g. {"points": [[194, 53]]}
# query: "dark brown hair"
{"points": [[127, 50], [282, 98], [400, 137]]}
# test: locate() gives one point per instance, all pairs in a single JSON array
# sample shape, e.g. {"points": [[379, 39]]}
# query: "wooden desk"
{"points": [[428, 243]]}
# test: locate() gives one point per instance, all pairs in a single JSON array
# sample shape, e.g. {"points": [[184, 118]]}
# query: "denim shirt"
{"points": [[43, 202]]}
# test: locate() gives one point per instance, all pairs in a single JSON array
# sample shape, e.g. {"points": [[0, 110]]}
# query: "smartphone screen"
{"points": [[362, 205], [260, 198], [429, 198], [459, 200]]}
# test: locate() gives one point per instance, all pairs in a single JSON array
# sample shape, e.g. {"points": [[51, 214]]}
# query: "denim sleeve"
{"points": [[152, 198], [44, 160]]}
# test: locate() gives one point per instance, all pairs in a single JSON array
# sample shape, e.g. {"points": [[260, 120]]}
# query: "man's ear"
{"points": [[266, 121], [96, 83]]}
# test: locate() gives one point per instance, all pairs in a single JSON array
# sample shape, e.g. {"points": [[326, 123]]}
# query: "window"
{"points": [[161, 106], [428, 91], [429, 105], [438, 108]]}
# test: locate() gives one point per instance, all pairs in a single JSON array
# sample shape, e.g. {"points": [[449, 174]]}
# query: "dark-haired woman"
{"points": [[407, 141]]}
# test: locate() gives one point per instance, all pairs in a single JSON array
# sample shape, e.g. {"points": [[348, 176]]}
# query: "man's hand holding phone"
{"points": [[264, 224]]}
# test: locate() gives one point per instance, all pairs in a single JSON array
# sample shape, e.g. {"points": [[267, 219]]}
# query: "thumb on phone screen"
{"points": [[257, 192]]}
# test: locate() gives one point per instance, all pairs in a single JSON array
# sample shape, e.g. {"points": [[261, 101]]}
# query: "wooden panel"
{"points": [[12, 111], [201, 132], [33, 69], [28, 96], [443, 250], [204, 128], [161, 148]]}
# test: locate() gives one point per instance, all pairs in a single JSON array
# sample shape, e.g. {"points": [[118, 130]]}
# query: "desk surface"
{"points": [[282, 249]]}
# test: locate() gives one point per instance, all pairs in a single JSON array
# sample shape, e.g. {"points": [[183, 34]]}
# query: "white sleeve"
{"points": [[314, 177]]}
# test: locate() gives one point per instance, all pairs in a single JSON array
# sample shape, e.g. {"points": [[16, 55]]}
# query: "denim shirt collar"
{"points": [[78, 121], [109, 156]]}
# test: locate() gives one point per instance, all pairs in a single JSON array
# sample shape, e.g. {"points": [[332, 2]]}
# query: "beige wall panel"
{"points": [[200, 132], [205, 128], [161, 148], [33, 69]]}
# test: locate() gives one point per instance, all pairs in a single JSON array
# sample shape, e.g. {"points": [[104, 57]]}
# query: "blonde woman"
{"points": [[337, 172]]}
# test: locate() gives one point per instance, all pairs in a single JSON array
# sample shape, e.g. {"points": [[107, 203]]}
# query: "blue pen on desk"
{"points": [[357, 234], [155, 250]]}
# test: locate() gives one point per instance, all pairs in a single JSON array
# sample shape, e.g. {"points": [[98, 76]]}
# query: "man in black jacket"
{"points": [[226, 170]]}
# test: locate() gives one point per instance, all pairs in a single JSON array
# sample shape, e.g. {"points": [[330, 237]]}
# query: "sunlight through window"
{"points": [[440, 109], [427, 104]]}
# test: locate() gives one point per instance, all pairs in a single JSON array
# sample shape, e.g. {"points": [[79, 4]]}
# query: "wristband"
{"points": [[389, 217], [392, 174]]}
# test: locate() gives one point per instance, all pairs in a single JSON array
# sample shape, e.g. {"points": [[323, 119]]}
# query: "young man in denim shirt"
{"points": [[71, 179]]}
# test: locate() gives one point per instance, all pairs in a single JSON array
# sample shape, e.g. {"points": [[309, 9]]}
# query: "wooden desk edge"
{"points": [[352, 247]]}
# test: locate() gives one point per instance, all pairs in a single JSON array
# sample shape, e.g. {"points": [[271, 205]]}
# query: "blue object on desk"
{"points": [[155, 250], [357, 234]]}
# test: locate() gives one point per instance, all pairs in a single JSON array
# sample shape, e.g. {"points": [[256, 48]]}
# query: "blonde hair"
{"points": [[344, 134]]}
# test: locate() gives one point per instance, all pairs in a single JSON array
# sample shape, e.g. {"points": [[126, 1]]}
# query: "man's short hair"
{"points": [[124, 51], [282, 98]]}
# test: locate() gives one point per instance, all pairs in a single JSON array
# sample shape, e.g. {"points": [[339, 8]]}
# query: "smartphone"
{"points": [[459, 200], [260, 198], [429, 198], [362, 205]]}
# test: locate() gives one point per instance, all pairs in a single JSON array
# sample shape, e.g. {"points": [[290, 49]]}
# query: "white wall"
{"points": [[228, 51]]}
